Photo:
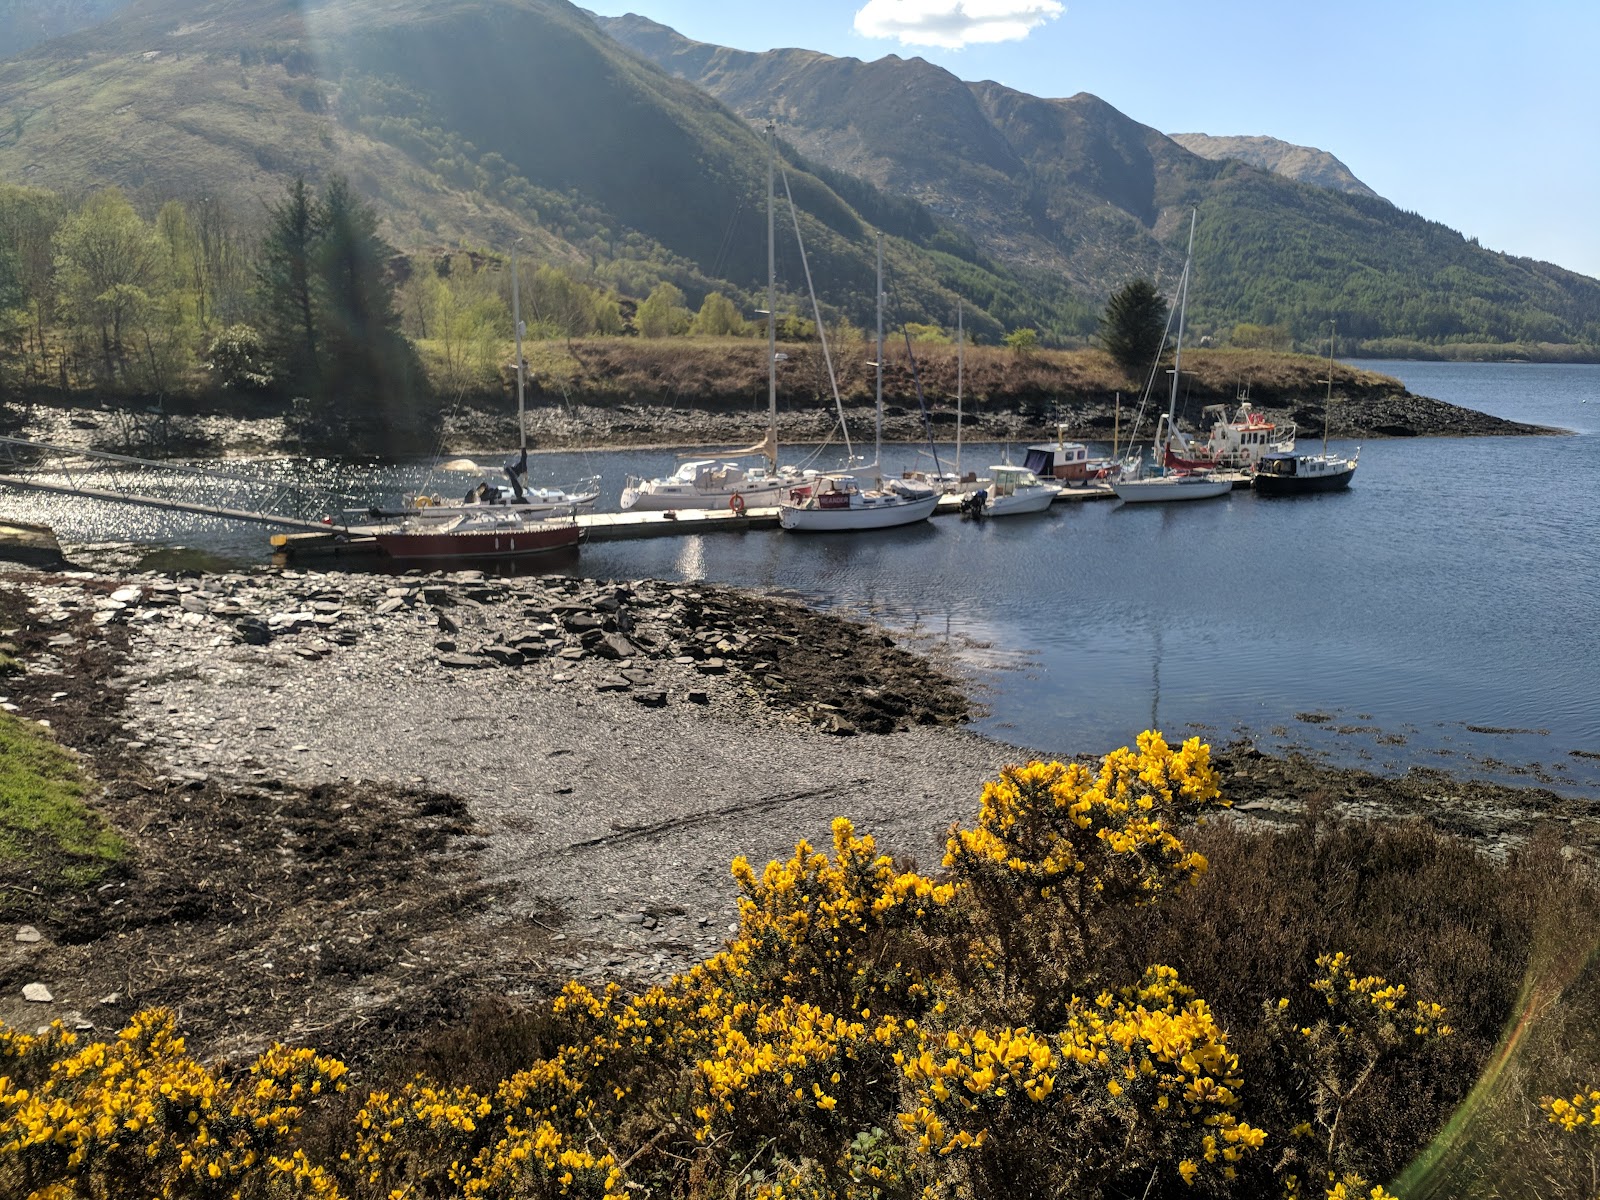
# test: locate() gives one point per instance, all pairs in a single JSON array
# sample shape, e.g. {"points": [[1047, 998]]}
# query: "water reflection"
{"points": [[1439, 598]]}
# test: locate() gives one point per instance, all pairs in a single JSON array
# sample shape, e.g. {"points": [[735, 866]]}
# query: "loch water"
{"points": [[1441, 612]]}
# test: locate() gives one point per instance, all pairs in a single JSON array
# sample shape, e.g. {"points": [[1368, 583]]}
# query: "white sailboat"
{"points": [[712, 482], [515, 496], [1173, 485], [838, 503]]}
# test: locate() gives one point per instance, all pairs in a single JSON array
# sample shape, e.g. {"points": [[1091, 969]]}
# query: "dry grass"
{"points": [[718, 373]]}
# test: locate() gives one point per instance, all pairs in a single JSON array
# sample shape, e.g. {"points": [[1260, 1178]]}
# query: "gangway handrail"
{"points": [[275, 490], [159, 463]]}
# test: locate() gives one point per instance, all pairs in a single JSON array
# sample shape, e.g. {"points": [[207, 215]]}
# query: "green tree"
{"points": [[928, 335], [284, 287], [564, 307], [1134, 327], [1249, 336], [663, 313], [238, 359], [468, 323], [28, 223], [1022, 341], [719, 317], [108, 262], [372, 395]]}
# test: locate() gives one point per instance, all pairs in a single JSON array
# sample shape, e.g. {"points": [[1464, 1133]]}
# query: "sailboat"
{"points": [[1289, 474], [712, 482], [837, 503], [485, 526], [1173, 485]]}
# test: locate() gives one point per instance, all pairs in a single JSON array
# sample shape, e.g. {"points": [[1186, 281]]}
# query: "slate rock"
{"points": [[463, 661], [615, 646], [651, 699]]}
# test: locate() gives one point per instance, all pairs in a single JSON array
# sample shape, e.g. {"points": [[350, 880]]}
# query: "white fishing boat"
{"points": [[713, 483], [1235, 442], [838, 503], [1011, 490], [1138, 487]]}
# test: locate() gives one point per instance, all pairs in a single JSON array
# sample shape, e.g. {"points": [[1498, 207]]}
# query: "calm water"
{"points": [[1453, 586]]}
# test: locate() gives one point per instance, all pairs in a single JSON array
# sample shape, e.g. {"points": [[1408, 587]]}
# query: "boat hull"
{"points": [[646, 500], [1028, 500], [1163, 490], [1300, 485], [883, 515], [528, 542]]}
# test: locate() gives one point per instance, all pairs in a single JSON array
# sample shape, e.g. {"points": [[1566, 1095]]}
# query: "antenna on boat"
{"points": [[1327, 405], [877, 447]]}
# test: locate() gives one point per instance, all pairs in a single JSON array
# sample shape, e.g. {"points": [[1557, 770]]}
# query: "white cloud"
{"points": [[953, 24]]}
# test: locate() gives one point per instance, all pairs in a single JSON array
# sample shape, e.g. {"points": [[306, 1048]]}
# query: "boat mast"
{"points": [[772, 314], [1177, 352], [1327, 405], [516, 320], [960, 358], [877, 448]]}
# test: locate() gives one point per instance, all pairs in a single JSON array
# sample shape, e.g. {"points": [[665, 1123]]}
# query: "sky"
{"points": [[1483, 117]]}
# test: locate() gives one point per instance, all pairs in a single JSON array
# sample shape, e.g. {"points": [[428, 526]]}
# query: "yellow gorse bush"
{"points": [[1051, 825], [1581, 1111], [139, 1116]]}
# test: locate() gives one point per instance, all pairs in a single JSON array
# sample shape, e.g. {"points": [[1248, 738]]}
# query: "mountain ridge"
{"points": [[1304, 164], [1100, 198]]}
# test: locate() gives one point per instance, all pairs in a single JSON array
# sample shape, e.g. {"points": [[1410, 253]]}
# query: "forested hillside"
{"points": [[474, 124]]}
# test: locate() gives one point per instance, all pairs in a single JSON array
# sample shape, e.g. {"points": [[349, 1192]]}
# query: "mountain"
{"points": [[472, 122], [1304, 164], [26, 23], [1075, 187], [634, 158]]}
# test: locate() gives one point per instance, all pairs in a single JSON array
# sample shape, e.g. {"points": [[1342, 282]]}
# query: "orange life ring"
{"points": [[736, 503]]}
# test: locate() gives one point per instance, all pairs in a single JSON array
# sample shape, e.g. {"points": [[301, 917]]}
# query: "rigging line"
{"points": [[916, 377], [725, 248], [816, 312], [1155, 367]]}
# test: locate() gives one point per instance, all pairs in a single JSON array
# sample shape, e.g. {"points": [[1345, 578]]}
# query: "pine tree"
{"points": [[1134, 327], [372, 388], [284, 286]]}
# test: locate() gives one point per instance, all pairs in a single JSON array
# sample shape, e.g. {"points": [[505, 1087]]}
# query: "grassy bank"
{"points": [[50, 837]]}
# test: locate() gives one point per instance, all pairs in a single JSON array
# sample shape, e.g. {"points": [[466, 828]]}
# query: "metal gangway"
{"points": [[123, 478]]}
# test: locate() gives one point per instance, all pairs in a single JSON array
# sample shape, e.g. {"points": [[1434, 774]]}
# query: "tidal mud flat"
{"points": [[361, 805]]}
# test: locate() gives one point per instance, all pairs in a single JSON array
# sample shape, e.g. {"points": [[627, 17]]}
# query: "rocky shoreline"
{"points": [[359, 805], [556, 423]]}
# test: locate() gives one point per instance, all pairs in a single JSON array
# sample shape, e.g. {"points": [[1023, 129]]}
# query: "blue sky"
{"points": [[1486, 118]]}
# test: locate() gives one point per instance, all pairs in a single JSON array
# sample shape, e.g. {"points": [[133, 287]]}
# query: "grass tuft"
{"points": [[46, 824]]}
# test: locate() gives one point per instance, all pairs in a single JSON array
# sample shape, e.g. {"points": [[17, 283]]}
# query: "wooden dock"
{"points": [[357, 540]]}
